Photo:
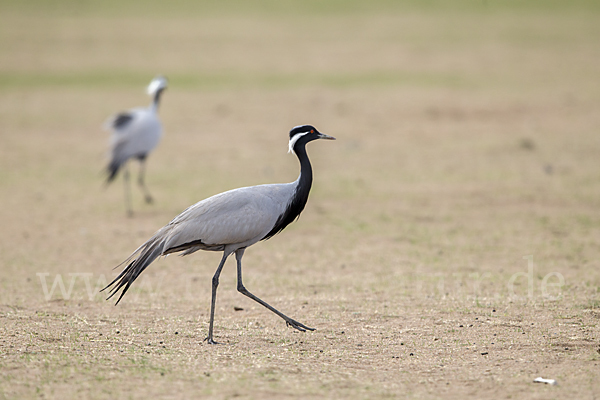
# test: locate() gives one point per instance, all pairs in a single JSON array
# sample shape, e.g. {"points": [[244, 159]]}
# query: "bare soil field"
{"points": [[450, 247]]}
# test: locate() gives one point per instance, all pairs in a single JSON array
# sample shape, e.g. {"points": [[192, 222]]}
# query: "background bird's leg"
{"points": [[128, 208], [215, 284], [240, 287], [141, 181]]}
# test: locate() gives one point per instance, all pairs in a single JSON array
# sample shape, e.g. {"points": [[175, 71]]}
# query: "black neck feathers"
{"points": [[156, 99], [300, 197]]}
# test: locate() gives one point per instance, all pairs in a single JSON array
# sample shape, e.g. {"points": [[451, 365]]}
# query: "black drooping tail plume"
{"points": [[146, 254], [112, 169]]}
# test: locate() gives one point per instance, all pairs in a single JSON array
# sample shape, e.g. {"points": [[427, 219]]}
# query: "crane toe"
{"points": [[297, 325], [210, 340]]}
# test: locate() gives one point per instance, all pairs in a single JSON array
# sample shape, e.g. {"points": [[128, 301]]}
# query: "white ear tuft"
{"points": [[294, 140]]}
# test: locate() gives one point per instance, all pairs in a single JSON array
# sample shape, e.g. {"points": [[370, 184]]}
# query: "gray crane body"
{"points": [[231, 220], [135, 138]]}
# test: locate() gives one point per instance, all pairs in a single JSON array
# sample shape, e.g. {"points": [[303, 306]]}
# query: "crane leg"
{"points": [[142, 183], [240, 287], [128, 208], [215, 284]]}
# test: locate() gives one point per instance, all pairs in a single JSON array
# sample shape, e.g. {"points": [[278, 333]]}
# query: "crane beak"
{"points": [[324, 136]]}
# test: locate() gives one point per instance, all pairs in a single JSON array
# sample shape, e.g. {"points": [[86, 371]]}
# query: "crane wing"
{"points": [[135, 133], [237, 216], [121, 120]]}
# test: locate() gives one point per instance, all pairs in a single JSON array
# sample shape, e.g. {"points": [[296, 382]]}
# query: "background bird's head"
{"points": [[158, 84], [303, 134]]}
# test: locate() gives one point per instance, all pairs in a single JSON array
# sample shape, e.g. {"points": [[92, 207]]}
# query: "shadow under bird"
{"points": [[230, 222], [135, 133]]}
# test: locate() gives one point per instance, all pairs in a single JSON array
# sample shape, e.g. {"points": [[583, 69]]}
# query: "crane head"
{"points": [[158, 83], [303, 134]]}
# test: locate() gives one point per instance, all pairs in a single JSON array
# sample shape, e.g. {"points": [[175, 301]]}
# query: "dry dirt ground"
{"points": [[450, 247]]}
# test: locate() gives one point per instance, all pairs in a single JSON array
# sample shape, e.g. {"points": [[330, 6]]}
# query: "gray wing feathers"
{"points": [[236, 216], [140, 135], [239, 218]]}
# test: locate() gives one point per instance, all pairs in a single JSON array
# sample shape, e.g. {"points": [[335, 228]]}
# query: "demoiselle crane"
{"points": [[230, 222], [135, 133]]}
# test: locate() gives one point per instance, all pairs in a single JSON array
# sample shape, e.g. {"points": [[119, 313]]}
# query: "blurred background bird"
{"points": [[135, 133]]}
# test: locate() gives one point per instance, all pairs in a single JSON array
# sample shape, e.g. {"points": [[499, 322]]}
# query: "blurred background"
{"points": [[467, 130], [467, 138]]}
